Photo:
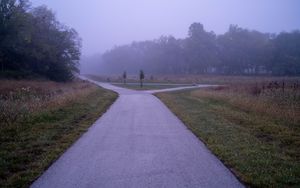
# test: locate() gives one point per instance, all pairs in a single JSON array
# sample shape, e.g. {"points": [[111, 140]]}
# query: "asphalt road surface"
{"points": [[137, 143]]}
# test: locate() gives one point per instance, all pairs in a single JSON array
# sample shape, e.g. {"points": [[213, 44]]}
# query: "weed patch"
{"points": [[28, 145], [256, 136]]}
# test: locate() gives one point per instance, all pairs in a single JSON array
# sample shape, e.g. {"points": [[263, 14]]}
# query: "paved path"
{"points": [[139, 143]]}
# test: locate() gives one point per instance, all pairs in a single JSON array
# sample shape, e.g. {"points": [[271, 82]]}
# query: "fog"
{"points": [[102, 24]]}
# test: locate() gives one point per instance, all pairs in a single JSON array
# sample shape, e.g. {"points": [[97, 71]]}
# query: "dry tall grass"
{"points": [[278, 99], [20, 99]]}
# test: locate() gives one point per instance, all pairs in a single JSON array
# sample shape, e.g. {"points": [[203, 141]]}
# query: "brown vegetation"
{"points": [[19, 99], [40, 120], [251, 124], [278, 99]]}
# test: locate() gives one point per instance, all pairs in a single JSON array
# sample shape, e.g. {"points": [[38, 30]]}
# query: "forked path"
{"points": [[139, 143]]}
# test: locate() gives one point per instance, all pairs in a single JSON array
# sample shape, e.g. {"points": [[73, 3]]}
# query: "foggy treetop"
{"points": [[103, 24], [237, 52]]}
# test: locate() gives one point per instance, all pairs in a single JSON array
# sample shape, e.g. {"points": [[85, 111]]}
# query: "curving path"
{"points": [[139, 143]]}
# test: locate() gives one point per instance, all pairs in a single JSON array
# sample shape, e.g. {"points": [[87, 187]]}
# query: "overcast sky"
{"points": [[103, 24]]}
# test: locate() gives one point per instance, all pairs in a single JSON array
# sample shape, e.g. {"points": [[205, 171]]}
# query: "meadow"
{"points": [[40, 120], [193, 79], [250, 123]]}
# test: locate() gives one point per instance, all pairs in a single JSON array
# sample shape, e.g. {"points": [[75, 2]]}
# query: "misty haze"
{"points": [[149, 93]]}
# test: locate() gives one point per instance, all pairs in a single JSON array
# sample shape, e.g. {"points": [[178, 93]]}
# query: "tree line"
{"points": [[33, 42], [239, 51]]}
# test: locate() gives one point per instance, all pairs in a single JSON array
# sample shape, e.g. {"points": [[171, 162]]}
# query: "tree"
{"points": [[14, 32], [242, 51], [33, 42], [200, 49], [56, 45], [124, 77], [142, 76], [286, 54]]}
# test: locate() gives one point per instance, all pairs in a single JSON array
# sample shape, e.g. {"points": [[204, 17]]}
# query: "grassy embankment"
{"points": [[252, 125], [39, 120]]}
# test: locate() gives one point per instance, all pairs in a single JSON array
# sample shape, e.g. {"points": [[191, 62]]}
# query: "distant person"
{"points": [[142, 76], [124, 77]]}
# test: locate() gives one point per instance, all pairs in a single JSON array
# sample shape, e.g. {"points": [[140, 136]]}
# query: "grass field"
{"points": [[40, 120], [150, 87], [253, 127], [133, 82], [192, 79]]}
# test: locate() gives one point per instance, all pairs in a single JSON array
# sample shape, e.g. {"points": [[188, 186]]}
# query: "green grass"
{"points": [[29, 147], [149, 87], [261, 150], [191, 79]]}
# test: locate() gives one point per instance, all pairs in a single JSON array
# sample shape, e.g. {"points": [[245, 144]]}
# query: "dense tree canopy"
{"points": [[33, 42], [236, 52], [286, 54]]}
